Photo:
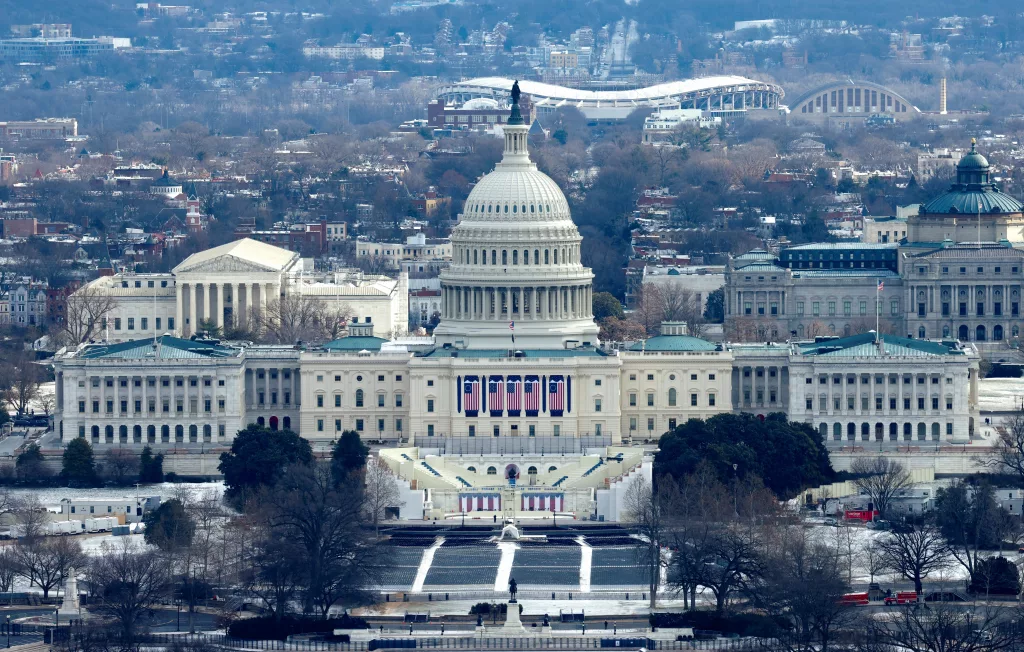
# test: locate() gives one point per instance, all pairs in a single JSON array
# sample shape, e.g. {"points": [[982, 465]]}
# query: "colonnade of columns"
{"points": [[208, 301], [482, 303]]}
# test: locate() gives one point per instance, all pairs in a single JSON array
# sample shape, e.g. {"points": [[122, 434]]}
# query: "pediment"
{"points": [[225, 264]]}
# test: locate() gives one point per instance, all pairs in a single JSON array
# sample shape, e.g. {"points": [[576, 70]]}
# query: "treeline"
{"points": [[119, 467]]}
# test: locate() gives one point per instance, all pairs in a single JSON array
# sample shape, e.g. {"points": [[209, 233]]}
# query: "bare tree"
{"points": [[802, 584], [381, 492], [299, 317], [45, 562], [126, 584], [30, 517], [649, 310], [914, 554], [23, 376], [1009, 450], [332, 317], [680, 303], [648, 510], [881, 479], [120, 465], [9, 568], [946, 627], [84, 314]]}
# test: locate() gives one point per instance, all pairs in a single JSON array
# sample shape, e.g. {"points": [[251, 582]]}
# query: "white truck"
{"points": [[102, 524]]}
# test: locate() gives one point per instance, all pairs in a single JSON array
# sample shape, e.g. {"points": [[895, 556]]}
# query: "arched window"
{"points": [[531, 470], [165, 434], [962, 333], [471, 469], [979, 333], [207, 432], [823, 430], [193, 433], [908, 432], [546, 260], [108, 434], [921, 431], [286, 423], [526, 256], [1015, 331], [474, 257], [997, 333], [137, 434], [504, 257], [879, 431], [95, 433], [556, 256], [536, 256], [122, 434], [261, 422], [492, 471], [672, 397], [552, 469], [945, 331], [515, 257], [921, 333], [865, 431], [359, 398], [837, 431], [851, 431], [894, 431], [935, 432], [151, 434]]}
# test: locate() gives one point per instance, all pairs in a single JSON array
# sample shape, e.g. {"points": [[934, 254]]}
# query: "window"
{"points": [[337, 400], [430, 405], [597, 405], [800, 308], [693, 400], [711, 400], [747, 308], [398, 400], [319, 425], [815, 308], [359, 398], [380, 400], [597, 382], [117, 323], [319, 400], [672, 397], [831, 308], [935, 403], [632, 400], [650, 423], [359, 425], [131, 323], [863, 307], [650, 399]]}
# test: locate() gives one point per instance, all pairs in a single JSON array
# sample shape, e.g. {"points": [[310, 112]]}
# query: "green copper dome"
{"points": [[973, 191]]}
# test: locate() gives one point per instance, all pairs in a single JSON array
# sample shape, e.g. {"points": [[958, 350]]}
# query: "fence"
{"points": [[458, 643], [521, 445], [502, 596]]}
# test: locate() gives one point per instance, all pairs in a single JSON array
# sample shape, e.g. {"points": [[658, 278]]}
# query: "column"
{"points": [[191, 311], [222, 296], [179, 315], [210, 313]]}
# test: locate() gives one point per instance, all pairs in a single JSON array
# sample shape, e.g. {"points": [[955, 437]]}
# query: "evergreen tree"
{"points": [[79, 467], [169, 527], [258, 458], [349, 456], [151, 467]]}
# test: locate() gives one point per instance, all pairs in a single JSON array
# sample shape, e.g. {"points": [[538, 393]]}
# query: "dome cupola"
{"points": [[516, 259]]}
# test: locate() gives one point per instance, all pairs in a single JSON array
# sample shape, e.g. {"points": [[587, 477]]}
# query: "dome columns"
{"points": [[517, 303]]}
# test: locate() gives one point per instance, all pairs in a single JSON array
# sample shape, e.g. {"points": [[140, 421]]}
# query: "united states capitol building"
{"points": [[513, 383]]}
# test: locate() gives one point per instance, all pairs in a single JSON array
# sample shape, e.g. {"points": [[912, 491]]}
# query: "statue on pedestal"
{"points": [[70, 606], [512, 588]]}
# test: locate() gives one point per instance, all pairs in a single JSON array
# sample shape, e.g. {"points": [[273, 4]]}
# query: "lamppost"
{"points": [[735, 489], [177, 602], [8, 630]]}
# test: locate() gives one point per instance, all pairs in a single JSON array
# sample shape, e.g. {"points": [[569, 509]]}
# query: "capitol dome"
{"points": [[516, 266]]}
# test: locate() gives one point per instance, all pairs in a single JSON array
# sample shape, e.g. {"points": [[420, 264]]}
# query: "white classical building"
{"points": [[230, 284], [890, 391]]}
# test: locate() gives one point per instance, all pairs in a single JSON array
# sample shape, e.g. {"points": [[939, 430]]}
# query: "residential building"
{"points": [[42, 128]]}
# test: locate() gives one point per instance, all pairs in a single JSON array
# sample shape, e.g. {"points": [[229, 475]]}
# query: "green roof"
{"points": [[815, 246], [164, 347], [845, 273], [972, 202], [673, 343], [863, 345], [356, 343], [581, 352]]}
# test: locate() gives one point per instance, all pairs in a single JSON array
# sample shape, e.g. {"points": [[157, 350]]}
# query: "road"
{"points": [[163, 620], [615, 60]]}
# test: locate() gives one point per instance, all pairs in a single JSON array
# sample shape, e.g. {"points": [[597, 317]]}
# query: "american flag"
{"points": [[531, 396], [494, 398], [512, 325], [513, 384], [881, 285], [471, 395], [556, 396]]}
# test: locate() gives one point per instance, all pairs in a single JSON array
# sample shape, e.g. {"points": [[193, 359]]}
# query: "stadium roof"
{"points": [[539, 90]]}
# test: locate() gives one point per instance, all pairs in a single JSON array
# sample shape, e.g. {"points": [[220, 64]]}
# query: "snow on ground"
{"points": [[1000, 394], [51, 496]]}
